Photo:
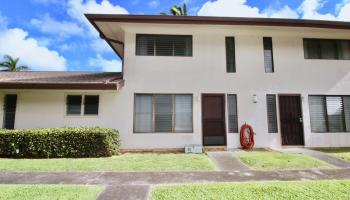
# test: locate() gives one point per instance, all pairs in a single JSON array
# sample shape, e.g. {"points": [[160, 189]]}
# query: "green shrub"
{"points": [[59, 143]]}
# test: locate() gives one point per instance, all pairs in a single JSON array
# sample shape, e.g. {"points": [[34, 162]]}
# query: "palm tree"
{"points": [[11, 64], [177, 10]]}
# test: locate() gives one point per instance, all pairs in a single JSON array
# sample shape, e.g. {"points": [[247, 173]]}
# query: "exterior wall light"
{"points": [[255, 98]]}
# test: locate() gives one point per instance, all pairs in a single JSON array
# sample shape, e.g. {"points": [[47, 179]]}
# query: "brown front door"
{"points": [[213, 119], [291, 120]]}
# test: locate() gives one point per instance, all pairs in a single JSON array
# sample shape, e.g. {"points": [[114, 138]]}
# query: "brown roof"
{"points": [[61, 80], [166, 19]]}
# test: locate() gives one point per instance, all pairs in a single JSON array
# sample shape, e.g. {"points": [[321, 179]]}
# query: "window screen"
{"points": [[74, 104], [163, 113], [232, 113], [330, 49], [271, 113], [230, 55], [268, 55], [163, 45], [91, 103], [183, 113], [143, 113], [329, 113], [318, 113]]}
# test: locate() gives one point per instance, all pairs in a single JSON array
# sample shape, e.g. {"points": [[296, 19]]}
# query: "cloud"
{"points": [[106, 65], [48, 25], [153, 4], [3, 22], [237, 8], [308, 9], [15, 42], [344, 13], [284, 12], [77, 8]]}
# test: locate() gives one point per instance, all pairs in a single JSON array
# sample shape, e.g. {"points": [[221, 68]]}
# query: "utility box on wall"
{"points": [[194, 148]]}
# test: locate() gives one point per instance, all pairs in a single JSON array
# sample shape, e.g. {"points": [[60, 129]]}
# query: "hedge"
{"points": [[59, 143]]}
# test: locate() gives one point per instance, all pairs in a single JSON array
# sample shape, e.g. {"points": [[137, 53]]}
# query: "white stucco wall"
{"points": [[205, 72]]}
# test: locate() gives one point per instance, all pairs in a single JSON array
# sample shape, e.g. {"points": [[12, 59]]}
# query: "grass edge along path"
{"points": [[124, 162], [45, 192], [306, 190], [270, 160]]}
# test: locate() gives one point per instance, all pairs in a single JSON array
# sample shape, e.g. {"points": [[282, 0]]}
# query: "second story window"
{"points": [[230, 55], [163, 45], [268, 55], [328, 49]]}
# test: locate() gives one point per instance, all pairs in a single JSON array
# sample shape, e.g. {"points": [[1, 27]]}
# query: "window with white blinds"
{"points": [[163, 113], [329, 49], [330, 113], [268, 55], [271, 113], [232, 113], [163, 45]]}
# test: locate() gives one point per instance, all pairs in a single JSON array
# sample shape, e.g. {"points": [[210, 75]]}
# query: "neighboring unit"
{"points": [[196, 80]]}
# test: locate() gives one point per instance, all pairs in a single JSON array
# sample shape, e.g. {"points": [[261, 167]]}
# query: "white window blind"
{"points": [[232, 113], [143, 113], [183, 113], [318, 113], [335, 112], [163, 113], [330, 113]]}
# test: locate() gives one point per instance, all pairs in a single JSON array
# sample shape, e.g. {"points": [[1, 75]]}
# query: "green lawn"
{"points": [[306, 190], [124, 162], [264, 160], [51, 192], [343, 153]]}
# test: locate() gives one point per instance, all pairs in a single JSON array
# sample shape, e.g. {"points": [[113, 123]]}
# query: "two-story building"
{"points": [[196, 80]]}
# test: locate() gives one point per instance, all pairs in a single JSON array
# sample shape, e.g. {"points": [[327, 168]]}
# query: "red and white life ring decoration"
{"points": [[247, 136]]}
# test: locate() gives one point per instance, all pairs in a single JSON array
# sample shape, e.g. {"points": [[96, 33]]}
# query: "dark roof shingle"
{"points": [[61, 80]]}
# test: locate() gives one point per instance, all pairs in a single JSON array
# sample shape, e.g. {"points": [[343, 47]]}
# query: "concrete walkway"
{"points": [[154, 178], [226, 161], [136, 185], [128, 192], [319, 155]]}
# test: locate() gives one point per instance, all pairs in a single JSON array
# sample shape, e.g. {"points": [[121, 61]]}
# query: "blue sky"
{"points": [[54, 35]]}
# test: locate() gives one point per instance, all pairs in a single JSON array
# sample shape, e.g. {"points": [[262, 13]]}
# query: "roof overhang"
{"points": [[166, 19], [63, 86], [115, 38]]}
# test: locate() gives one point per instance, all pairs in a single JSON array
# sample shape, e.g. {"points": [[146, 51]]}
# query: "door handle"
{"points": [[300, 119]]}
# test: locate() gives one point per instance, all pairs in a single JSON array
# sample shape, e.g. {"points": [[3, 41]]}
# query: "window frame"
{"points": [[228, 113], [155, 44], [276, 113], [153, 114], [82, 105], [234, 54], [272, 56], [319, 50], [326, 113]]}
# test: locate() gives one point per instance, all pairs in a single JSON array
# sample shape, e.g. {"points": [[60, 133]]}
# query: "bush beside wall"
{"points": [[59, 143]]}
